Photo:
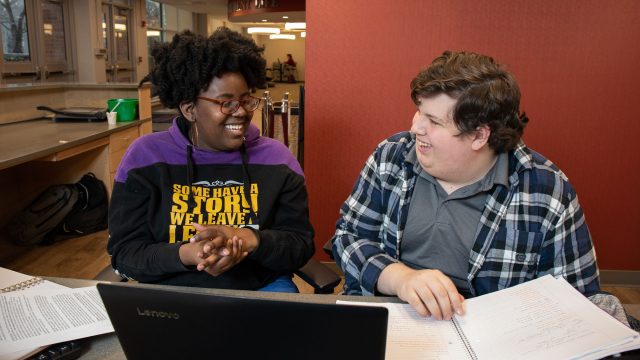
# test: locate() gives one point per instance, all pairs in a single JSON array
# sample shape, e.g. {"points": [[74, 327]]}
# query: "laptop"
{"points": [[163, 322]]}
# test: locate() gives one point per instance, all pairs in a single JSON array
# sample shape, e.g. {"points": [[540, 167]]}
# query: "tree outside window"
{"points": [[13, 23]]}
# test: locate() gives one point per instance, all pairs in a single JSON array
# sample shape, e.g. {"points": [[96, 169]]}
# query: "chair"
{"points": [[328, 249], [319, 276], [290, 73]]}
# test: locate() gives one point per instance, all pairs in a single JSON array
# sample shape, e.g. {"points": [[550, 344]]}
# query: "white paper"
{"points": [[411, 336], [12, 280], [537, 319], [44, 316], [544, 318]]}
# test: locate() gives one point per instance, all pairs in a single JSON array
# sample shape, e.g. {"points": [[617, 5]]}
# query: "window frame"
{"points": [[38, 66], [26, 67]]}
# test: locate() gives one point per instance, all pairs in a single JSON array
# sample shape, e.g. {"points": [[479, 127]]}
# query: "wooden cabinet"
{"points": [[118, 144]]}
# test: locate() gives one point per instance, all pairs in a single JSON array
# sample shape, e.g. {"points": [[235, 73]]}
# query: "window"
{"points": [[164, 21], [155, 25], [54, 33], [34, 42], [15, 38], [154, 15]]}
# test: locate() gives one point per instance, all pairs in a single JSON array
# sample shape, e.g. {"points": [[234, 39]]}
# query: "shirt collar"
{"points": [[499, 173]]}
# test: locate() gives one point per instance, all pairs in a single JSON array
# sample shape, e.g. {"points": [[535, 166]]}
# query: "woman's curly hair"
{"points": [[187, 65], [486, 94]]}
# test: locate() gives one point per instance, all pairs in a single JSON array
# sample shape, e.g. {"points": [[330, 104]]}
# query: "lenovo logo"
{"points": [[158, 314]]}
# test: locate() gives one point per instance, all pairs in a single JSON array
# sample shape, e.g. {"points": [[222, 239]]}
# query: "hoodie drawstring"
{"points": [[190, 174], [253, 217]]}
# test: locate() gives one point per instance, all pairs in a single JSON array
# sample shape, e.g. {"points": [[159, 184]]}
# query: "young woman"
{"points": [[210, 203]]}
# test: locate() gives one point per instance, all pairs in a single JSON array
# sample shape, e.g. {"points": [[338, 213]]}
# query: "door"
{"points": [[116, 31]]}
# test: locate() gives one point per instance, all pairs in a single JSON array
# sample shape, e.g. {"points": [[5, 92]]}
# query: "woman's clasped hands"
{"points": [[215, 248]]}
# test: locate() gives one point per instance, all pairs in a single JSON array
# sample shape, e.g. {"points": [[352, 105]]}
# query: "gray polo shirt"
{"points": [[441, 227]]}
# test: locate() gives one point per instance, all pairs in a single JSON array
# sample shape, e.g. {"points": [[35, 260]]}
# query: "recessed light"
{"points": [[263, 30], [295, 26], [282, 36]]}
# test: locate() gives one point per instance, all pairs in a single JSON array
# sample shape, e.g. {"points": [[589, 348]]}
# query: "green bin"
{"points": [[127, 109]]}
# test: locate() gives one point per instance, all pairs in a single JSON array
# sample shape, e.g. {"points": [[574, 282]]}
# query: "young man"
{"points": [[459, 206]]}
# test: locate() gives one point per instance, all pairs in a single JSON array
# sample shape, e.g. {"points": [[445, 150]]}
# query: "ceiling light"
{"points": [[285, 17], [283, 36], [263, 30], [303, 34], [295, 26], [264, 20]]}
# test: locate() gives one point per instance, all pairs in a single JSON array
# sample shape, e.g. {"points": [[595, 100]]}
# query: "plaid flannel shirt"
{"points": [[533, 228]]}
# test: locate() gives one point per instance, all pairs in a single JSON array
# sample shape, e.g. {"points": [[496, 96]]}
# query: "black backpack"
{"points": [[62, 211]]}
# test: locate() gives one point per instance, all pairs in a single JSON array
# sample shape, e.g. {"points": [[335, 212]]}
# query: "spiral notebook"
{"points": [[35, 312], [544, 318], [14, 281]]}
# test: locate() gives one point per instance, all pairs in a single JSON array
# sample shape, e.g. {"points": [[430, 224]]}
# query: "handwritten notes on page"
{"points": [[538, 319], [411, 336], [544, 318]]}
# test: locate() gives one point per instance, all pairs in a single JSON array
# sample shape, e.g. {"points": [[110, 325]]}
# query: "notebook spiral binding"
{"points": [[465, 341], [22, 285]]}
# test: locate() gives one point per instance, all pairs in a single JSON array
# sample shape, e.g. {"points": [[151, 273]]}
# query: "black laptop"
{"points": [[160, 322]]}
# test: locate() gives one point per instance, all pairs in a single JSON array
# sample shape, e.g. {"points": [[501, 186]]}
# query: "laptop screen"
{"points": [[184, 323]]}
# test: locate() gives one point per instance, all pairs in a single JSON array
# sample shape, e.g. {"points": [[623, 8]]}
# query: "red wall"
{"points": [[577, 63]]}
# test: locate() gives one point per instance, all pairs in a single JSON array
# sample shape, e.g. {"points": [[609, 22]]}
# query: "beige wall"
{"points": [[90, 68], [278, 49], [218, 21], [139, 34]]}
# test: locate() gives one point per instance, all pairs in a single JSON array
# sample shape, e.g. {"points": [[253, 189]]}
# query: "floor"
{"points": [[81, 257]]}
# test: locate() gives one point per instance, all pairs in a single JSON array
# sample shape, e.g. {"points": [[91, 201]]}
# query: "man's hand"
{"points": [[430, 292]]}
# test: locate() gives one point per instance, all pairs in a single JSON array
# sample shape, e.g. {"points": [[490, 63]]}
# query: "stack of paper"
{"points": [[35, 313], [544, 318]]}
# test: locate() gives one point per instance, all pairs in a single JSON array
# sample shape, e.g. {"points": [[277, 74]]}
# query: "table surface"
{"points": [[31, 140]]}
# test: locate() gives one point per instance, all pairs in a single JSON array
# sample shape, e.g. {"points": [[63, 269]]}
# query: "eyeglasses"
{"points": [[229, 107]]}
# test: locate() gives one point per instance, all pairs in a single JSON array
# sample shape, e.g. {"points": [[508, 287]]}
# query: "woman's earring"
{"points": [[195, 136]]}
